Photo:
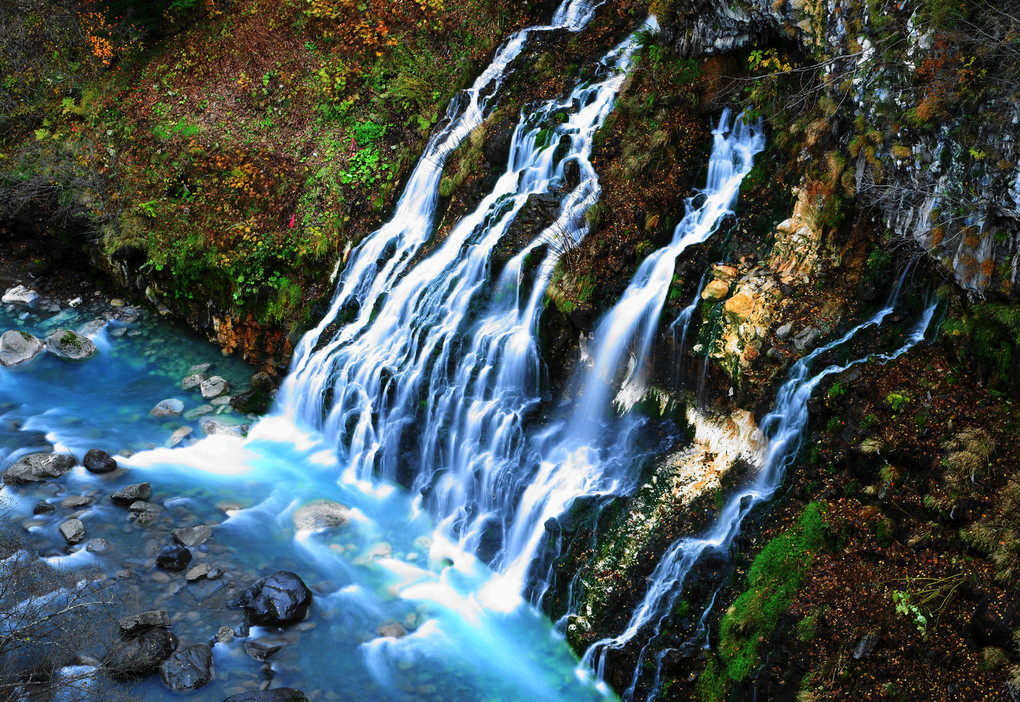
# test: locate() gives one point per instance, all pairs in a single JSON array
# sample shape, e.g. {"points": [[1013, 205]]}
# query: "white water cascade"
{"points": [[586, 453], [784, 426], [373, 267]]}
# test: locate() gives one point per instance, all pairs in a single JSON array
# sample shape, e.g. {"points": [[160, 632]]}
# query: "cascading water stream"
{"points": [[372, 268], [784, 426], [573, 458]]}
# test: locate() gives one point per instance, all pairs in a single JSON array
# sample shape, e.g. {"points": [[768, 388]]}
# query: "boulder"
{"points": [[173, 558], [97, 546], [43, 508], [142, 654], [39, 467], [213, 427], [72, 530], [192, 536], [251, 401], [187, 669], [261, 651], [17, 347], [280, 599], [126, 496], [97, 461], [19, 294], [214, 387], [137, 623], [739, 307], [75, 501], [280, 694], [806, 339], [180, 435], [716, 290], [263, 382], [70, 345], [167, 408], [193, 381], [321, 514]]}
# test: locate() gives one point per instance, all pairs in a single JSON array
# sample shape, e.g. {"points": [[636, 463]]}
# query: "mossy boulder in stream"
{"points": [[70, 345]]}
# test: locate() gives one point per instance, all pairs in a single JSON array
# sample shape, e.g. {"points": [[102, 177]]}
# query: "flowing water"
{"points": [[425, 372], [784, 427]]}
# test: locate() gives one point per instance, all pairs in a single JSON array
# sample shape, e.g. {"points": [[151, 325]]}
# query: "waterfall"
{"points": [[585, 453], [377, 262], [784, 426]]}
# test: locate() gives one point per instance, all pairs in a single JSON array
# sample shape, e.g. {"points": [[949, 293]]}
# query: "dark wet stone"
{"points": [[142, 654], [262, 650], [187, 669], [192, 536], [281, 598], [39, 467], [43, 508], [97, 461], [280, 694], [251, 401], [137, 623], [173, 558], [866, 646], [126, 496]]}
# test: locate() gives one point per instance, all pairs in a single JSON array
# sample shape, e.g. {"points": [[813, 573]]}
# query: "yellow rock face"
{"points": [[715, 290]]}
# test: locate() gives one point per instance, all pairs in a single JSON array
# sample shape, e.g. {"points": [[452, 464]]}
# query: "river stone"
{"points": [[167, 408], [19, 294], [39, 467], [261, 650], [97, 546], [199, 368], [137, 623], [173, 558], [193, 381], [72, 530], [214, 387], [70, 345], [224, 635], [17, 347], [806, 339], [784, 331], [394, 629], [43, 508], [180, 435], [197, 573], [282, 598], [716, 290], [199, 411], [212, 427], [97, 461], [75, 501], [321, 514], [192, 536], [142, 654], [280, 694], [188, 668], [263, 382], [131, 493]]}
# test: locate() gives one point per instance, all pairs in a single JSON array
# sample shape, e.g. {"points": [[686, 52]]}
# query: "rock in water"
{"points": [[97, 461], [37, 467], [173, 558], [280, 599], [187, 669], [137, 623], [214, 387], [193, 381], [70, 345], [192, 536], [167, 408], [180, 435], [142, 654], [280, 694], [212, 427], [17, 347], [130, 494], [72, 530], [321, 514]]}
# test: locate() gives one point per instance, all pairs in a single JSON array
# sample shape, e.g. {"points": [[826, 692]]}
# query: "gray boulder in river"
{"points": [[38, 467], [17, 347]]}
